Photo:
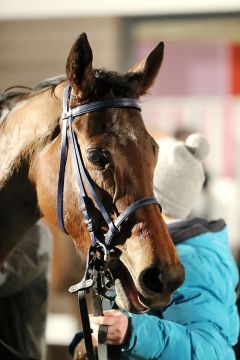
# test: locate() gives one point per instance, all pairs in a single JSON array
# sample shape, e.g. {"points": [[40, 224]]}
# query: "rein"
{"points": [[97, 276]]}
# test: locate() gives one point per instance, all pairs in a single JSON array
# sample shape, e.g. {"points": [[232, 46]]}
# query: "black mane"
{"points": [[108, 83], [12, 95], [49, 83]]}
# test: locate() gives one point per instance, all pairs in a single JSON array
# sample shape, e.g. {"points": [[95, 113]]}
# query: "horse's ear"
{"points": [[79, 67], [146, 71]]}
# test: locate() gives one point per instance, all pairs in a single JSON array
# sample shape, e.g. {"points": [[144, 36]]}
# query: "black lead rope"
{"points": [[102, 331], [95, 263], [93, 278], [87, 332]]}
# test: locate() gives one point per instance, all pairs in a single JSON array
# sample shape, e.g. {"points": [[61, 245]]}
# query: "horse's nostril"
{"points": [[173, 285], [152, 280], [162, 281], [173, 279]]}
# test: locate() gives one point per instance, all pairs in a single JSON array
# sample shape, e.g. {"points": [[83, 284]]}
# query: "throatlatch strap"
{"points": [[63, 158]]}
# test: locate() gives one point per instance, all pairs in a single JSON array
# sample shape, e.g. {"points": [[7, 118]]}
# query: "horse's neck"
{"points": [[28, 128]]}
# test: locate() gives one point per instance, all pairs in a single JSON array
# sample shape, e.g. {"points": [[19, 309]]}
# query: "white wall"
{"points": [[12, 9], [33, 50]]}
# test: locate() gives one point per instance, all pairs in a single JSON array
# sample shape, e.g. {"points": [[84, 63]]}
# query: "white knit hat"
{"points": [[179, 174]]}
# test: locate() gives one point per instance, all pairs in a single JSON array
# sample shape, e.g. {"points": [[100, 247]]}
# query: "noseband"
{"points": [[97, 274]]}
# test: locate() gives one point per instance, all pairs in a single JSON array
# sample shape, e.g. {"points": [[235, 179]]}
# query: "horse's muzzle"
{"points": [[162, 280]]}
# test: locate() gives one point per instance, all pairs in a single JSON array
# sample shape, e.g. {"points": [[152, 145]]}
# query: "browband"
{"points": [[101, 104]]}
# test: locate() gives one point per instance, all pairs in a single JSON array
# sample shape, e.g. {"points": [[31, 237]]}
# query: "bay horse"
{"points": [[119, 156]]}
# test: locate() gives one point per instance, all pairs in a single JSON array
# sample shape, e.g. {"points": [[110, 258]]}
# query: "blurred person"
{"points": [[201, 206], [182, 134], [23, 296], [201, 322]]}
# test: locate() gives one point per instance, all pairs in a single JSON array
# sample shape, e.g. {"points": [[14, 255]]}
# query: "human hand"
{"points": [[80, 352], [117, 324]]}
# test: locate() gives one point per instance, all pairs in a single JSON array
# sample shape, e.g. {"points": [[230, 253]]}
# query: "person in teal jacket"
{"points": [[202, 321]]}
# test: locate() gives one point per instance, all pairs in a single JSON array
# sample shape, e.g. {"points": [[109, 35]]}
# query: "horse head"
{"points": [[119, 156]]}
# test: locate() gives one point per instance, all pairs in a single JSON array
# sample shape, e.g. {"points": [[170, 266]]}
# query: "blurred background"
{"points": [[198, 89]]}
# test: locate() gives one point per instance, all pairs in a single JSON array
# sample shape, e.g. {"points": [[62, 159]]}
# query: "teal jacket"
{"points": [[202, 322]]}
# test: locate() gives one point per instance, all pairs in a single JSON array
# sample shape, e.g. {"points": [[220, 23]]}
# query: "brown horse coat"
{"points": [[145, 264]]}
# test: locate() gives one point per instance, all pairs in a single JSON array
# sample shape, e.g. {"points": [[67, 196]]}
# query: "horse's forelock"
{"points": [[111, 83]]}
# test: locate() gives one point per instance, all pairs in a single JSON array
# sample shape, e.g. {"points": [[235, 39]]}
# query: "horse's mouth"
{"points": [[129, 298]]}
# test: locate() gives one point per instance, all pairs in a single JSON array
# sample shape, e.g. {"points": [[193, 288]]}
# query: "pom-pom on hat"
{"points": [[179, 174]]}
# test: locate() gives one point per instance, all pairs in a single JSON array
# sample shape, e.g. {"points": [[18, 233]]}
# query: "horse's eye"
{"points": [[98, 157]]}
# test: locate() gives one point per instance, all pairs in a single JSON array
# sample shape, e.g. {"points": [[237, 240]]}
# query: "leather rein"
{"points": [[97, 275]]}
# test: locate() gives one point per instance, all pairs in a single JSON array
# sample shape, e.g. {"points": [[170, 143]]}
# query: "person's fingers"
{"points": [[103, 320], [114, 342], [112, 312], [110, 317], [115, 338], [95, 328], [117, 326], [80, 351], [79, 356]]}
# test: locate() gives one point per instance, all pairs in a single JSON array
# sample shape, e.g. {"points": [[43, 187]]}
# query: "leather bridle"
{"points": [[98, 251]]}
